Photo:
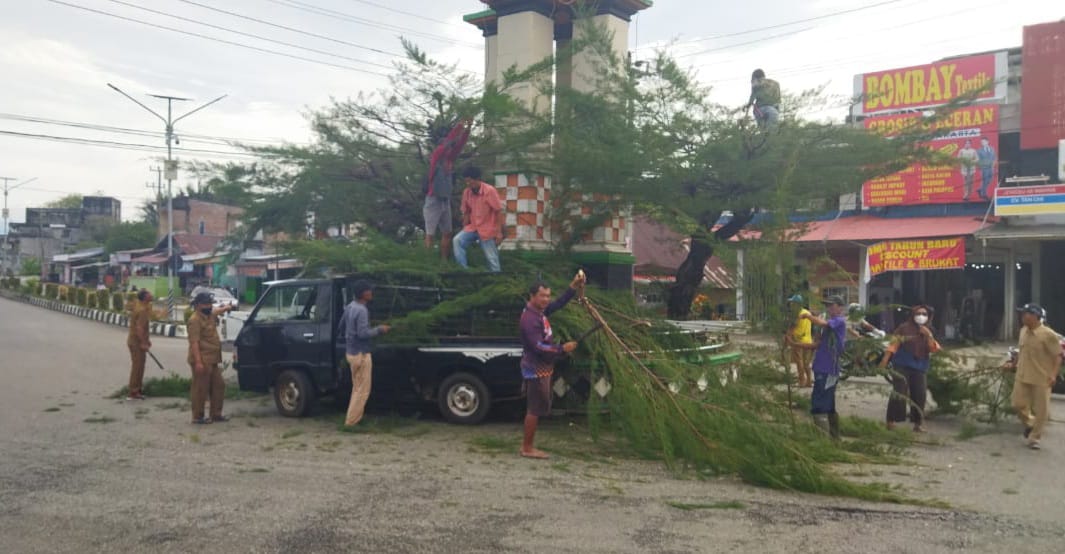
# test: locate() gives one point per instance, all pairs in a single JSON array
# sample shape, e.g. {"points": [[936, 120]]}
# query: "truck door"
{"points": [[289, 329]]}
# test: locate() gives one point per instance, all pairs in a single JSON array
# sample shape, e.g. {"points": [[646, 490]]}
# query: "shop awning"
{"points": [[1012, 232], [867, 228], [154, 259]]}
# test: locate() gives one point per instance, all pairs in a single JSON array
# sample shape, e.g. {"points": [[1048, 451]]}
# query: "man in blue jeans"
{"points": [[482, 220], [986, 160], [829, 349]]}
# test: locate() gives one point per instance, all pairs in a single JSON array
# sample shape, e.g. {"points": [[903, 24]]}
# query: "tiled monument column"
{"points": [[518, 34]]}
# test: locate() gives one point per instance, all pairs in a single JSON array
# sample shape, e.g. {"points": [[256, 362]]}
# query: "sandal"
{"points": [[201, 421]]}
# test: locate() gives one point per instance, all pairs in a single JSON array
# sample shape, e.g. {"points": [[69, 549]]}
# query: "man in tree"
{"points": [[765, 97], [482, 219], [438, 185], [138, 342], [826, 364], [539, 353], [1037, 366]]}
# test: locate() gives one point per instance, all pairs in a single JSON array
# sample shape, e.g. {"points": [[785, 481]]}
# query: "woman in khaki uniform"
{"points": [[205, 359]]}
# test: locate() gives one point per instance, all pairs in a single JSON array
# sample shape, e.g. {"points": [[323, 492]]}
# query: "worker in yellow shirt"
{"points": [[800, 333], [1037, 366]]}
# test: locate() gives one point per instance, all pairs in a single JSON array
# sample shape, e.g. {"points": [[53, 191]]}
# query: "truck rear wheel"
{"points": [[293, 393], [463, 398]]}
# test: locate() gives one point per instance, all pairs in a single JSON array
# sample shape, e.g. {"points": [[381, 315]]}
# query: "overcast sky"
{"points": [[57, 59]]}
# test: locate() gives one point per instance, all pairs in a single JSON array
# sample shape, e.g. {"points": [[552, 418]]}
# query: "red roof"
{"points": [[190, 244], [872, 228], [657, 248]]}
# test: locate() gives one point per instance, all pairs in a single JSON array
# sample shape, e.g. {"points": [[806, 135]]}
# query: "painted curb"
{"points": [[102, 316]]}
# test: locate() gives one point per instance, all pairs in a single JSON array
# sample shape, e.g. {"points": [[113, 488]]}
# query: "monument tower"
{"points": [[519, 34]]}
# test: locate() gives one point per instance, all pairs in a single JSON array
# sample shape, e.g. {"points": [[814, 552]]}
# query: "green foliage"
{"points": [[31, 286], [70, 201], [30, 266], [90, 300], [174, 386], [81, 296], [118, 302], [51, 291], [983, 391], [129, 236]]}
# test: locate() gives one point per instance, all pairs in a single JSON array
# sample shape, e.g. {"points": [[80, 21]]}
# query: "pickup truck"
{"points": [[289, 345]]}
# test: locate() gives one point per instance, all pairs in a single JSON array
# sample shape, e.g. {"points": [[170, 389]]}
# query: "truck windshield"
{"points": [[287, 303]]}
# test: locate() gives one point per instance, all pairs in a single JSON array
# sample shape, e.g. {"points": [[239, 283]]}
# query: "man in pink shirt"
{"points": [[482, 220]]}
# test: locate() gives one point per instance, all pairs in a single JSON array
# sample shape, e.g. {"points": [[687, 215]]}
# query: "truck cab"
{"points": [[289, 345]]}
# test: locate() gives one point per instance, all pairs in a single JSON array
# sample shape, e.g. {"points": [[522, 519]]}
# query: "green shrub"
{"points": [[81, 296], [32, 286], [118, 302], [91, 301], [51, 291], [103, 299]]}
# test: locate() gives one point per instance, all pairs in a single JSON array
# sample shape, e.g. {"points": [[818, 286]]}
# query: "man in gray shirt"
{"points": [[357, 334]]}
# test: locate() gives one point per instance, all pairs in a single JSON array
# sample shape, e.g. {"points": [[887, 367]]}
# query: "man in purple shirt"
{"points": [[539, 353], [829, 349]]}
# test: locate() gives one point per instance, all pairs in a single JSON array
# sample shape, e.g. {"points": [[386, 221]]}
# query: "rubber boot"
{"points": [[821, 421], [833, 426]]}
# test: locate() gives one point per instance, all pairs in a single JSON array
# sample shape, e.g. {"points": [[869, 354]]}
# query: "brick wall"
{"points": [[218, 219]]}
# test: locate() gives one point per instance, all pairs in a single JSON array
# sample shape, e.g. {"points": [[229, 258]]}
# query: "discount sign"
{"points": [[916, 255]]}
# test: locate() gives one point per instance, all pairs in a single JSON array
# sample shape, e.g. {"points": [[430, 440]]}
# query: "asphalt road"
{"points": [[80, 472]]}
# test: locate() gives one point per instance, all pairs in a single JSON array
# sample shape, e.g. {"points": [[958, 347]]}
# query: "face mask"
{"points": [[920, 319], [205, 311]]}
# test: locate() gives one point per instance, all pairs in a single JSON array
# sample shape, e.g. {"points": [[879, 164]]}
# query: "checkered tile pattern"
{"points": [[525, 209], [526, 206]]}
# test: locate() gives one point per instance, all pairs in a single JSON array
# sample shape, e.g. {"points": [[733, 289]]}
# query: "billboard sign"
{"points": [[1045, 199], [969, 135], [915, 255], [1043, 86], [929, 85]]}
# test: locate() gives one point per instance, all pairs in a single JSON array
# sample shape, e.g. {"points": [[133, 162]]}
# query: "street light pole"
{"points": [[7, 228], [171, 173]]}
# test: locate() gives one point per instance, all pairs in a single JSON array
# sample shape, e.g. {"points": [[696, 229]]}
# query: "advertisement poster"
{"points": [[930, 85], [915, 255], [969, 135], [1043, 86]]}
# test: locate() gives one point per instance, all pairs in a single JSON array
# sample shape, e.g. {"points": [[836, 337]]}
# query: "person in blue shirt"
{"points": [[826, 366], [986, 159], [357, 332]]}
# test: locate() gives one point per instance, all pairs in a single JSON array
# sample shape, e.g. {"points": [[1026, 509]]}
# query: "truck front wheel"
{"points": [[463, 398], [293, 393]]}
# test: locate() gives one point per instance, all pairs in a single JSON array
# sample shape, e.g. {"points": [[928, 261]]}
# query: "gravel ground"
{"points": [[81, 472]]}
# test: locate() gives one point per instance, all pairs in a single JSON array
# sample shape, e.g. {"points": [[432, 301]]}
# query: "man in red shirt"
{"points": [[482, 219], [437, 208]]}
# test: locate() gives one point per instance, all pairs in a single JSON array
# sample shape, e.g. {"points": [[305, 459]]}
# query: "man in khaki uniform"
{"points": [[1037, 368], [205, 357], [140, 315]]}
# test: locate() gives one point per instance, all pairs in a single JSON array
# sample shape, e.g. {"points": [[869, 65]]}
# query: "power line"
{"points": [[215, 39], [394, 10], [755, 41], [193, 152], [303, 32], [204, 139], [293, 29], [249, 35], [787, 23], [296, 4]]}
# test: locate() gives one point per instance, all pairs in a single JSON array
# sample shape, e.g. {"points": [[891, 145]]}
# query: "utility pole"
{"points": [[7, 228], [171, 174]]}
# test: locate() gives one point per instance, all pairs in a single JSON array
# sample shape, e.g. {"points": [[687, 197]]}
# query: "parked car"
{"points": [[288, 345], [222, 297]]}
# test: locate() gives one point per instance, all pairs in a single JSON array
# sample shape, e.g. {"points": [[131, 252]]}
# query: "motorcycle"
{"points": [[861, 357]]}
